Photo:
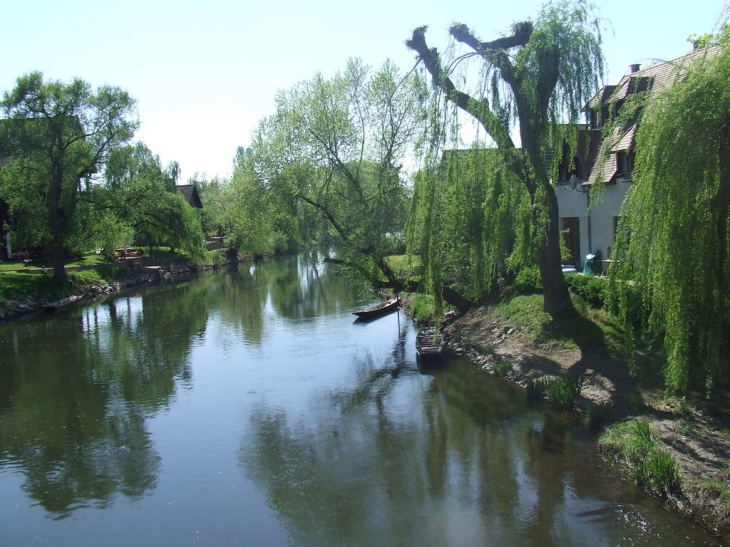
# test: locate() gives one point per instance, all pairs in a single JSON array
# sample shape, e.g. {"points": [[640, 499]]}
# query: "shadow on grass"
{"points": [[602, 359]]}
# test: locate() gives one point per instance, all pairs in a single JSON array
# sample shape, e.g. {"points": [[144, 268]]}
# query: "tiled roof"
{"points": [[601, 97], [604, 172], [625, 137], [653, 79]]}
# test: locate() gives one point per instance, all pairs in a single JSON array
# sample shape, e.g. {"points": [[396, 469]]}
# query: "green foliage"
{"points": [[464, 222], [561, 391], [592, 289], [330, 162], [633, 445], [501, 368], [528, 281], [261, 219], [139, 203], [57, 137], [507, 216], [564, 391], [422, 306], [675, 241]]}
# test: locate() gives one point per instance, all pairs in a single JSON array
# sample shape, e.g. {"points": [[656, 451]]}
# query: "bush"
{"points": [[593, 290], [528, 281], [501, 368], [562, 392]]}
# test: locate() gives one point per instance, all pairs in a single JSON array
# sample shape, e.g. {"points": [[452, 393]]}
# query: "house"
{"points": [[190, 191], [608, 160]]}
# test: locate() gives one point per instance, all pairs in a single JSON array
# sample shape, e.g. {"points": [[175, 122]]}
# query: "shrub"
{"points": [[564, 391], [527, 281], [501, 368], [593, 290]]}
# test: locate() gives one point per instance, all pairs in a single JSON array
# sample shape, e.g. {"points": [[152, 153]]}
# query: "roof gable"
{"points": [[190, 191]]}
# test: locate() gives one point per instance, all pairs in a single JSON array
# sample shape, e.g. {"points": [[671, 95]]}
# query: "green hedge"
{"points": [[592, 289]]}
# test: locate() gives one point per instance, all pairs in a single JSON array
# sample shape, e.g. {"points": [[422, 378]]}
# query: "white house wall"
{"points": [[599, 236], [603, 217], [574, 203]]}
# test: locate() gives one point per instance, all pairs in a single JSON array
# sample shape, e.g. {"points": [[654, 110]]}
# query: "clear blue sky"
{"points": [[205, 72]]}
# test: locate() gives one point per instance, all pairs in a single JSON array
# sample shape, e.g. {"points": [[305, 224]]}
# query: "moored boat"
{"points": [[379, 309], [429, 343], [62, 303]]}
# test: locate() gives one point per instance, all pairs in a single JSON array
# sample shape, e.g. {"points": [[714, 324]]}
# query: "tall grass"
{"points": [[632, 444], [562, 391], [598, 414]]}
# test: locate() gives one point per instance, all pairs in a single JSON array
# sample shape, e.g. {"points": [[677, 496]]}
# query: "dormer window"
{"points": [[595, 120], [625, 164]]}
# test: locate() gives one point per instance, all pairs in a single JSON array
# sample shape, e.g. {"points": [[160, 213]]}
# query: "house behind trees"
{"points": [[606, 157]]}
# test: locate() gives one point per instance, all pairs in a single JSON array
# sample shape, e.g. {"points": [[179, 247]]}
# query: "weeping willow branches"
{"points": [[675, 242], [527, 84]]}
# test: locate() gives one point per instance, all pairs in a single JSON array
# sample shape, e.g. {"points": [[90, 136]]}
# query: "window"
{"points": [[625, 163]]}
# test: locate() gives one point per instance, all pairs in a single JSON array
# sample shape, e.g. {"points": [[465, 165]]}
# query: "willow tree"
{"points": [[469, 223], [57, 137], [138, 201], [674, 240], [531, 82], [338, 146]]}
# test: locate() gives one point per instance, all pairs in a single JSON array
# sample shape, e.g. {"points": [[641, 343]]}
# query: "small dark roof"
{"points": [[190, 191], [601, 98]]}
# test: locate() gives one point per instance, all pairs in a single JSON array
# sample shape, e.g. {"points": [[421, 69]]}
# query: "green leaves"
{"points": [[675, 238], [58, 137], [333, 156]]}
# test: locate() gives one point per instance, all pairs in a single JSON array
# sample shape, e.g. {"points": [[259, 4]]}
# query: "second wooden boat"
{"points": [[379, 309]]}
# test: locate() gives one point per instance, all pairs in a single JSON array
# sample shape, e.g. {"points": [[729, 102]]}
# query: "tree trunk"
{"points": [[556, 297], [455, 299], [57, 223]]}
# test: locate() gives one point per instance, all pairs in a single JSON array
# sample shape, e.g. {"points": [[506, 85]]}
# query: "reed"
{"points": [[632, 444]]}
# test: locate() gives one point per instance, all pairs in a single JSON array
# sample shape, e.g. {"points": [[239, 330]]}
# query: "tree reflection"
{"points": [[76, 391], [295, 288], [345, 478]]}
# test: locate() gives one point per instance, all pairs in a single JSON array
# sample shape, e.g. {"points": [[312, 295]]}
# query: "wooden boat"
{"points": [[429, 343], [58, 304], [379, 309]]}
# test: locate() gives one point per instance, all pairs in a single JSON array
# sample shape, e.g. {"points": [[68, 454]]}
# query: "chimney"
{"points": [[634, 68]]}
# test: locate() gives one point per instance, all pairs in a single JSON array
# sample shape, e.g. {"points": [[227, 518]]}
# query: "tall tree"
{"points": [[674, 241], [139, 201], [57, 137], [338, 146], [538, 77]]}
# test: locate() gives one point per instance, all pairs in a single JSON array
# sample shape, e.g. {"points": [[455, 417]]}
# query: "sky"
{"points": [[204, 73]]}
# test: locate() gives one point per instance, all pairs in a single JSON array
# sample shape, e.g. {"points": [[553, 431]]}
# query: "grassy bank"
{"points": [[21, 281]]}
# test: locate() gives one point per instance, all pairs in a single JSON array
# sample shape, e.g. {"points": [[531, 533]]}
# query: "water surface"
{"points": [[246, 407]]}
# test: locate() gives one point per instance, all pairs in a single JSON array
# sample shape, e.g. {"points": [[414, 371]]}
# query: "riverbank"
{"points": [[133, 276], [507, 343]]}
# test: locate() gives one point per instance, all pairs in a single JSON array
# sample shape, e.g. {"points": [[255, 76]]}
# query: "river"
{"points": [[245, 407]]}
